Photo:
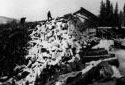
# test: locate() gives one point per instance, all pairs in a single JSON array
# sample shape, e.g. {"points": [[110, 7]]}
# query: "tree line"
{"points": [[111, 16]]}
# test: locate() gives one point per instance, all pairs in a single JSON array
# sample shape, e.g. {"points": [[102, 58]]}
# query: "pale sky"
{"points": [[37, 9]]}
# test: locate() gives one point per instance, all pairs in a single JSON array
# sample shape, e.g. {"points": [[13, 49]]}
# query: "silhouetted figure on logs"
{"points": [[22, 20], [49, 15]]}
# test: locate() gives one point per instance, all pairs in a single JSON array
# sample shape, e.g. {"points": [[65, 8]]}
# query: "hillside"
{"points": [[4, 20]]}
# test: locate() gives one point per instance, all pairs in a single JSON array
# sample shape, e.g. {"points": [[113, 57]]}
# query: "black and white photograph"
{"points": [[62, 42]]}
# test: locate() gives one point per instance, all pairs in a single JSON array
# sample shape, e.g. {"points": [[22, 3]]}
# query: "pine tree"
{"points": [[102, 14], [121, 18], [124, 15], [108, 13], [116, 17], [108, 5], [110, 18], [107, 16]]}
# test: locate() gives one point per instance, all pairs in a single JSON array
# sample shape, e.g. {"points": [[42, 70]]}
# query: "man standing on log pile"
{"points": [[22, 20], [49, 16]]}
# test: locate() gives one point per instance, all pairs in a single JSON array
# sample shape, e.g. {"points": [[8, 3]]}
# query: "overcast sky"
{"points": [[37, 9]]}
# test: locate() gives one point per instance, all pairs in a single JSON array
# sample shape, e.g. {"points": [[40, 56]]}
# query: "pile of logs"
{"points": [[56, 57]]}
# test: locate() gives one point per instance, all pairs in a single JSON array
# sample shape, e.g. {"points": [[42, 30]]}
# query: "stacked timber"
{"points": [[57, 57]]}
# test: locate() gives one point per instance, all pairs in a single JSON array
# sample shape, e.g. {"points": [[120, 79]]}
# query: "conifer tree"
{"points": [[124, 15], [121, 18], [106, 13], [110, 16], [116, 17], [102, 14]]}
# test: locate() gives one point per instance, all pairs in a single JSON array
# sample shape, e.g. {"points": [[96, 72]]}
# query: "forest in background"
{"points": [[111, 16]]}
